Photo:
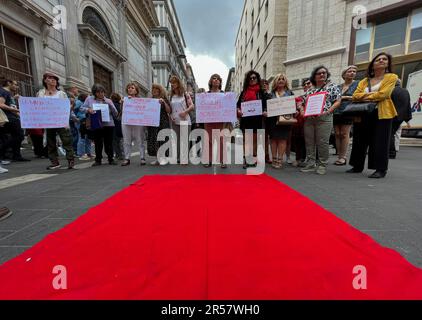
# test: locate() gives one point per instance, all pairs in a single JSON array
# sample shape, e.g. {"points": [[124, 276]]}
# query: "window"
{"points": [[266, 9], [251, 44], [252, 65], [266, 40], [257, 54], [252, 19], [416, 31], [258, 27], [264, 73], [15, 60], [93, 18], [246, 40], [390, 35], [295, 83], [363, 44]]}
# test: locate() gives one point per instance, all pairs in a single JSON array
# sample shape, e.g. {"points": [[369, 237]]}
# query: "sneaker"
{"points": [[143, 162], [85, 157], [309, 168], [3, 170], [321, 170], [154, 163], [71, 164], [5, 162], [288, 161], [54, 166], [5, 213]]}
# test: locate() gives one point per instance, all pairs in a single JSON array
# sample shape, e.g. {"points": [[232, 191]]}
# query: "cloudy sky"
{"points": [[209, 28]]}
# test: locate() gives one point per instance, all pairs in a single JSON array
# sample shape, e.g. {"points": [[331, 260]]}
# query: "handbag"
{"points": [[359, 108], [3, 118], [94, 121], [286, 120]]}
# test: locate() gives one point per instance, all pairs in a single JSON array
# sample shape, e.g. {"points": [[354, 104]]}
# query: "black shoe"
{"points": [[21, 159], [392, 156], [5, 213], [378, 175], [71, 164], [96, 164], [353, 170]]}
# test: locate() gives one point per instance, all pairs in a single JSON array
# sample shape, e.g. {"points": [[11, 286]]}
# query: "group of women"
{"points": [[370, 130]]}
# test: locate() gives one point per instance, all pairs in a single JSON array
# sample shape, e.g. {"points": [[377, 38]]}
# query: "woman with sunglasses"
{"points": [[318, 128], [374, 129], [251, 91]]}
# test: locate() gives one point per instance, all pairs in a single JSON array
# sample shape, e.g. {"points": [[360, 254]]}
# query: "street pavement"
{"points": [[389, 210]]}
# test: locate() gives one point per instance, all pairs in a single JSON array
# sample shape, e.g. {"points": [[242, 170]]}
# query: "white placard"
{"points": [[215, 107], [44, 113], [141, 112], [252, 108], [315, 104], [105, 111], [281, 106]]}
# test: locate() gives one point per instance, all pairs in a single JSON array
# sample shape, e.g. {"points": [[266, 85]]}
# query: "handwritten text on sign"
{"points": [[315, 104], [281, 106], [44, 113], [252, 108], [141, 112], [215, 107]]}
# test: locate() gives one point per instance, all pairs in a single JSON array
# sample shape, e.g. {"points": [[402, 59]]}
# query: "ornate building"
{"points": [[82, 41]]}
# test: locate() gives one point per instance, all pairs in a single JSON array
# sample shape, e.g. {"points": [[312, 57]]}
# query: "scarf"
{"points": [[251, 93]]}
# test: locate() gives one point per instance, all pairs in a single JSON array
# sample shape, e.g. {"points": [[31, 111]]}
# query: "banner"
{"points": [[215, 107], [105, 111], [315, 104], [281, 106], [141, 112], [252, 108], [44, 113]]}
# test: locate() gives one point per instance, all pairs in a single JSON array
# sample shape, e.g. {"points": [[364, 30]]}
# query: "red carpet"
{"points": [[209, 237]]}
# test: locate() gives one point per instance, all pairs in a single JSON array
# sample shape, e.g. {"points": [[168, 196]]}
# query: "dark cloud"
{"points": [[210, 27]]}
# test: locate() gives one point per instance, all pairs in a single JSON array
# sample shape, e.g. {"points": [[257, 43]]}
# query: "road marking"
{"points": [[23, 179]]}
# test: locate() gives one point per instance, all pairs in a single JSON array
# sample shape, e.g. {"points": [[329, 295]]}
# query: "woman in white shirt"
{"points": [[181, 105]]}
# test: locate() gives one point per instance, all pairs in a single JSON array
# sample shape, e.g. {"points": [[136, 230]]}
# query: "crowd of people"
{"points": [[308, 137]]}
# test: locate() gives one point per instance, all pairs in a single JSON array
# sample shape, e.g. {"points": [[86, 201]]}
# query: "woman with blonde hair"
{"points": [[135, 134], [158, 92], [181, 104], [279, 134]]}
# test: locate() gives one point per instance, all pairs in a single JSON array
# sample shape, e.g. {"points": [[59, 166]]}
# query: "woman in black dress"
{"points": [[251, 91]]}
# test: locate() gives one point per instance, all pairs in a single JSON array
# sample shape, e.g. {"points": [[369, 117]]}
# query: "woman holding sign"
{"points": [[319, 119], [52, 90], [158, 92], [99, 106], [181, 105], [279, 134], [135, 134], [252, 92]]}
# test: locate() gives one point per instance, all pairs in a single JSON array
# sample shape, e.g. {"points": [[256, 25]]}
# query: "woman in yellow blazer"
{"points": [[374, 130]]}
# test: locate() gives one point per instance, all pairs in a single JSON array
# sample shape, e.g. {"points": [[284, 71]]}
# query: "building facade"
{"points": [[261, 41], [83, 42], [191, 85], [338, 33], [168, 49], [230, 80]]}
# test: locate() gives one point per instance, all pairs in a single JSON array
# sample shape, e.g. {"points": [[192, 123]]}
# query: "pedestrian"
{"points": [[374, 129], [13, 126], [84, 143], [343, 123], [52, 91], [101, 131], [318, 128], [181, 106], [153, 145], [279, 133], [118, 133], [215, 85], [133, 134], [251, 91]]}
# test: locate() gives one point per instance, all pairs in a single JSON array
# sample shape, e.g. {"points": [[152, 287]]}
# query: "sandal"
{"points": [[341, 162]]}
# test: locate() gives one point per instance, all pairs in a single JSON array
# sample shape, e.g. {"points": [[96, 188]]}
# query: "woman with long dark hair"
{"points": [[251, 91], [374, 129]]}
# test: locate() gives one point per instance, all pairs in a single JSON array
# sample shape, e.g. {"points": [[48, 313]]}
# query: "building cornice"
{"points": [[39, 12], [315, 56]]}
